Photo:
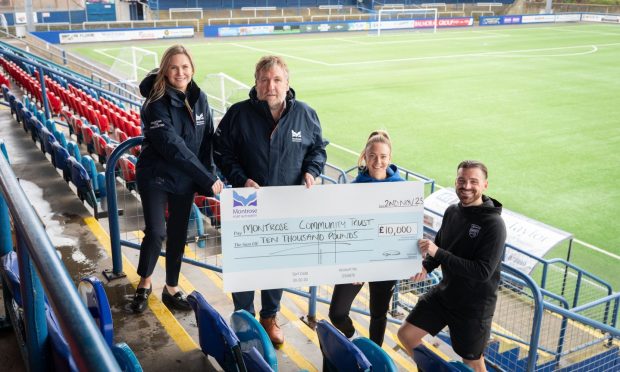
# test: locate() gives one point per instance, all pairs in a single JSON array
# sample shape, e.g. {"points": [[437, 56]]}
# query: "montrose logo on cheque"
{"points": [[245, 206]]}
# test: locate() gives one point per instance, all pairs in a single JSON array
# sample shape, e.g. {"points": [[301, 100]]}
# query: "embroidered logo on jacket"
{"points": [[474, 230], [295, 136], [200, 119], [156, 124]]}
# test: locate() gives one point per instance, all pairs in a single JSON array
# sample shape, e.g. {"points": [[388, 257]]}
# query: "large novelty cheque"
{"points": [[291, 236]]}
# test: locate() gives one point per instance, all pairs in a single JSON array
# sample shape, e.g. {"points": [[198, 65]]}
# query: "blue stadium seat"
{"points": [[46, 139], [74, 150], [60, 137], [12, 103], [89, 164], [426, 360], [60, 157], [61, 353], [51, 125], [19, 106], [10, 273], [376, 355], [5, 92], [26, 116], [216, 338], [81, 180], [35, 127], [93, 295], [339, 354], [125, 358], [252, 335], [254, 361]]}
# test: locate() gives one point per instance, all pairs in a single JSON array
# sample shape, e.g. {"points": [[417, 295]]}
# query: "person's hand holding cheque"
{"points": [[426, 247]]}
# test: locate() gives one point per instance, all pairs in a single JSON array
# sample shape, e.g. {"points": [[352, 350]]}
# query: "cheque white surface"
{"points": [[290, 236]]}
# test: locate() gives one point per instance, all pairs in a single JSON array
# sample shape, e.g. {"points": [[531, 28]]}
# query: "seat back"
{"points": [[60, 156], [93, 296], [252, 335], [10, 271], [426, 360], [216, 338], [59, 348], [254, 361], [79, 176], [339, 354], [376, 355]]}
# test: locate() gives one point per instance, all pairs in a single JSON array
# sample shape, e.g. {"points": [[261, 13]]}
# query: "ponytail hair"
{"points": [[377, 136]]}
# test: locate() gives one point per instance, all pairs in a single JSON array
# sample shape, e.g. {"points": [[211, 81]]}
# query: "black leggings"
{"points": [[154, 203], [380, 297]]}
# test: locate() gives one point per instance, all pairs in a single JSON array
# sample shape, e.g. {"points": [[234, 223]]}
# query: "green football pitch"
{"points": [[539, 105]]}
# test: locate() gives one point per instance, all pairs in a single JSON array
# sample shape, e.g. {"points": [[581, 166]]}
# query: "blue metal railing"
{"points": [[40, 268], [8, 52], [405, 172]]}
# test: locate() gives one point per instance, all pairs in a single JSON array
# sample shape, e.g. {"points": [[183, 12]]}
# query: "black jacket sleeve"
{"points": [[224, 151], [488, 255], [159, 131], [315, 159]]}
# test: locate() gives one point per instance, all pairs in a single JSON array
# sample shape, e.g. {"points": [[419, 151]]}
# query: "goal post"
{"points": [[386, 21], [134, 63], [223, 91], [185, 13]]}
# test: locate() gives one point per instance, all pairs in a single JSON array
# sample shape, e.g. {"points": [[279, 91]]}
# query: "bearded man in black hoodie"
{"points": [[469, 246]]}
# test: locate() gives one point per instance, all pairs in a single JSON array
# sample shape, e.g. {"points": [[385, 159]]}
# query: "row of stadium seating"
{"points": [[94, 297], [82, 170]]}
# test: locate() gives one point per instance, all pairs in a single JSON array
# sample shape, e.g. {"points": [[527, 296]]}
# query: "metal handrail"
{"points": [[87, 345]]}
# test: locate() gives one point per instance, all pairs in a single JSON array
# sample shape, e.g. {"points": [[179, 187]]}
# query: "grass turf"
{"points": [[538, 105]]}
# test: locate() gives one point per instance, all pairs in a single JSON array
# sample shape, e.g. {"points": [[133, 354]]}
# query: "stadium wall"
{"points": [[311, 27], [75, 16], [236, 4], [548, 18], [94, 36]]}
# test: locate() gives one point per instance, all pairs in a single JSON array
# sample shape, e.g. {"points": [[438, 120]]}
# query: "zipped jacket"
{"points": [[391, 175], [176, 152], [248, 143], [471, 246]]}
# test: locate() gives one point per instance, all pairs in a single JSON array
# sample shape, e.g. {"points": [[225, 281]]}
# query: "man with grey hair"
{"points": [[270, 139], [469, 246]]}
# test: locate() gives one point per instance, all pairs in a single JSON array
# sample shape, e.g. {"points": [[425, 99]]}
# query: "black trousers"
{"points": [[380, 297], [154, 202]]}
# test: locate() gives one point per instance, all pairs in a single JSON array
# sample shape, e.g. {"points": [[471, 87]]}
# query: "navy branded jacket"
{"points": [[176, 152], [471, 246], [249, 144]]}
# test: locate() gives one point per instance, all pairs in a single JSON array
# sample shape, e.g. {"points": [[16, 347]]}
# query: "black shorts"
{"points": [[469, 335]]}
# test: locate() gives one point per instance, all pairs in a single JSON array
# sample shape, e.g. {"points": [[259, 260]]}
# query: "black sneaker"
{"points": [[140, 299], [176, 301]]}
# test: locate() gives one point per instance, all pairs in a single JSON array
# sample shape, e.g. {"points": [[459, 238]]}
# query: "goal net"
{"points": [[403, 19], [134, 63], [223, 90], [185, 13]]}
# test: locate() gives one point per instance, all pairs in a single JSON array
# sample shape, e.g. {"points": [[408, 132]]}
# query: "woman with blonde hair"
{"points": [[175, 162], [374, 166]]}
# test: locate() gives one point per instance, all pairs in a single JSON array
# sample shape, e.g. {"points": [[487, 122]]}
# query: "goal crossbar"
{"points": [[423, 11]]}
